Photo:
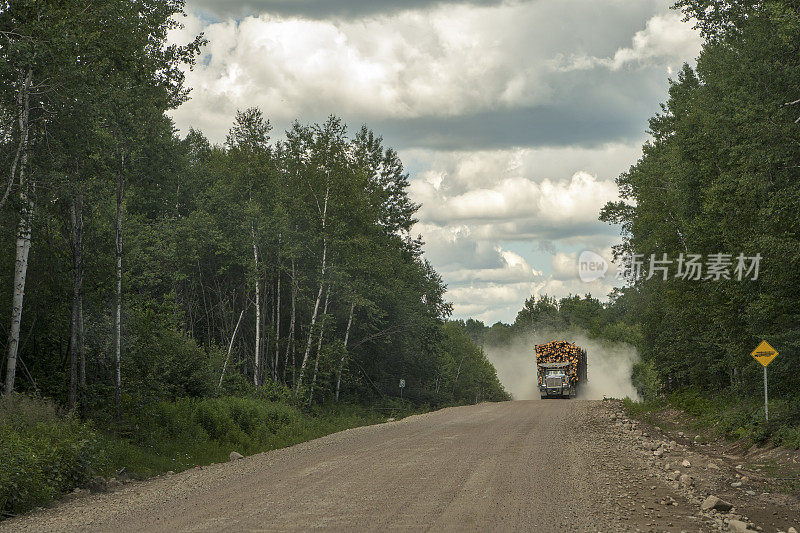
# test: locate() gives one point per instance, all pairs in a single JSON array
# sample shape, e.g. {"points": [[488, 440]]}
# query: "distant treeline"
{"points": [[137, 266], [610, 321]]}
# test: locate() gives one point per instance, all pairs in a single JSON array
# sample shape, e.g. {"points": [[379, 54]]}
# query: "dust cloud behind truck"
{"points": [[561, 369]]}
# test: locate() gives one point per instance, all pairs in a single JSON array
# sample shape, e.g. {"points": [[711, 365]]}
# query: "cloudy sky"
{"points": [[512, 117]]}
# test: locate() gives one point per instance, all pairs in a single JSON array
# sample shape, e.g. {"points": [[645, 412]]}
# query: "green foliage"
{"points": [[613, 322], [43, 453], [207, 232], [191, 432], [465, 375], [646, 380], [622, 332], [727, 415], [165, 364]]}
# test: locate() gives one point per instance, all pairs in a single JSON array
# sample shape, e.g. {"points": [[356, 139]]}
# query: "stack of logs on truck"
{"points": [[561, 368]]}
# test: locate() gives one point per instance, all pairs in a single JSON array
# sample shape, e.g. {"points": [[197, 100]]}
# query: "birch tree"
{"points": [[147, 81], [248, 141], [77, 355], [21, 55], [344, 351]]}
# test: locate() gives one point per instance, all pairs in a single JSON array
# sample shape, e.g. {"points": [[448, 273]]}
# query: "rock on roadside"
{"points": [[712, 502], [236, 456], [738, 526]]}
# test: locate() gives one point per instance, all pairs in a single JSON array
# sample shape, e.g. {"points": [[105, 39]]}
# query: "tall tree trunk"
{"points": [[118, 295], [290, 342], [230, 347], [319, 344], [26, 189], [257, 361], [205, 304], [277, 326], [458, 373], [313, 322], [267, 344], [344, 354], [319, 294], [23, 110], [76, 222], [81, 355]]}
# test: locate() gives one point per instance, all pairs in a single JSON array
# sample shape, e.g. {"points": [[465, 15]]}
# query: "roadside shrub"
{"points": [[692, 402], [165, 364], [731, 415], [646, 380], [244, 424], [43, 453], [788, 437], [275, 392]]}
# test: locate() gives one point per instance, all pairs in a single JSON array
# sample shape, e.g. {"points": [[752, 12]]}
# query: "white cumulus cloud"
{"points": [[512, 116], [666, 39]]}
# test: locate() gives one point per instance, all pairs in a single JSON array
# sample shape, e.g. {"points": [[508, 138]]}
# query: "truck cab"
{"points": [[555, 382]]}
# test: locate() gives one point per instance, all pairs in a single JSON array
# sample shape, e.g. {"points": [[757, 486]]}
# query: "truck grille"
{"points": [[553, 382]]}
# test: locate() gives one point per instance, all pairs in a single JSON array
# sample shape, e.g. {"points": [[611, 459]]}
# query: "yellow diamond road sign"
{"points": [[764, 353]]}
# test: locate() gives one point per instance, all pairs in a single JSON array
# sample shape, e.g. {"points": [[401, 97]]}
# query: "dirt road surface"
{"points": [[524, 466]]}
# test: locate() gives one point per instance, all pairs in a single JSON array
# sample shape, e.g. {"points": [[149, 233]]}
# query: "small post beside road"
{"points": [[764, 354], [402, 386], [766, 404]]}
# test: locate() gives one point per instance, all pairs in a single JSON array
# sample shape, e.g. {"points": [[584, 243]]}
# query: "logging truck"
{"points": [[561, 369]]}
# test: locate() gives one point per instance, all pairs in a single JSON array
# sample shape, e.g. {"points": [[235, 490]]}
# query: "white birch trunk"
{"points": [[230, 347], [458, 373], [313, 323], [257, 361], [81, 354], [344, 354], [23, 244], [118, 295], [76, 222], [290, 343], [277, 328], [319, 344], [319, 294], [267, 356]]}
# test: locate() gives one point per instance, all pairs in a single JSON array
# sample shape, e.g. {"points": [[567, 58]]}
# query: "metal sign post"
{"points": [[766, 404], [764, 354], [402, 386]]}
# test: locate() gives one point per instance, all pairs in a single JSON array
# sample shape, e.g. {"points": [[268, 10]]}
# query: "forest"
{"points": [[157, 282], [155, 267]]}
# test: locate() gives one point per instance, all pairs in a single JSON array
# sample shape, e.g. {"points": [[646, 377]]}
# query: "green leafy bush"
{"points": [[43, 453], [164, 364], [189, 432], [646, 380]]}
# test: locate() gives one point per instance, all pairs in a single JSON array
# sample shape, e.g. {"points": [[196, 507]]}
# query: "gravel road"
{"points": [[525, 465]]}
